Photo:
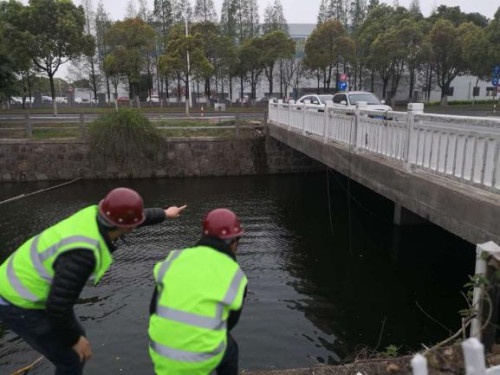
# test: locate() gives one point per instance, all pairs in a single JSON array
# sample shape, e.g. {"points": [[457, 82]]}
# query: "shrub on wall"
{"points": [[124, 138]]}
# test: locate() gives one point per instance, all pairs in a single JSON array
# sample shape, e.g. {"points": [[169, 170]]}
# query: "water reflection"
{"points": [[325, 276]]}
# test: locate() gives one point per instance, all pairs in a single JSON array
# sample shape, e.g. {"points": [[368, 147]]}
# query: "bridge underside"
{"points": [[468, 212]]}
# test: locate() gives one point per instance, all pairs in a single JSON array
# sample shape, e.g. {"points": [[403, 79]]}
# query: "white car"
{"points": [[351, 98], [16, 100], [153, 99], [318, 100]]}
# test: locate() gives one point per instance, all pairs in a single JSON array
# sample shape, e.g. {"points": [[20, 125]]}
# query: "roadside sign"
{"points": [[342, 86], [496, 70], [70, 88], [494, 81], [343, 77]]}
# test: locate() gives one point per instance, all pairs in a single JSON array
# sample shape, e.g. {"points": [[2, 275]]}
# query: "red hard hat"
{"points": [[222, 223], [123, 208]]}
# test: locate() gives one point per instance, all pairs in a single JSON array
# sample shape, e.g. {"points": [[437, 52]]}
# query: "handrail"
{"points": [[462, 148]]}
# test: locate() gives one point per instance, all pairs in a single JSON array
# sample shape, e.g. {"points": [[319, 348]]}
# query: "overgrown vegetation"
{"points": [[125, 138]]}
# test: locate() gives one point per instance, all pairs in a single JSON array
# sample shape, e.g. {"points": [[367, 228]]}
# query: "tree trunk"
{"points": [[53, 93], [412, 83]]}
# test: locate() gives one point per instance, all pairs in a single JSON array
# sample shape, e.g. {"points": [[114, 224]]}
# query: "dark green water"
{"points": [[326, 278]]}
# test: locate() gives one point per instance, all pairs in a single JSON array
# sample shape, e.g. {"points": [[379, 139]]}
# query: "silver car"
{"points": [[350, 99], [318, 100]]}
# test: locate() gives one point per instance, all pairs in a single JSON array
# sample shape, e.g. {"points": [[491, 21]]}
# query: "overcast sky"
{"points": [[306, 11]]}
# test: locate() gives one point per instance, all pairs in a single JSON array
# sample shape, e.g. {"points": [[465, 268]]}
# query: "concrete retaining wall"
{"points": [[180, 157]]}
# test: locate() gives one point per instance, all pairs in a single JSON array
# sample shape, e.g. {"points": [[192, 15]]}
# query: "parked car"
{"points": [[46, 99], [319, 101], [88, 101], [265, 99], [16, 100], [122, 99], [244, 100], [153, 99], [350, 99]]}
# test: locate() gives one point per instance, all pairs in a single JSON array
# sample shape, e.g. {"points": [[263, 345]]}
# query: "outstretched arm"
{"points": [[174, 211], [158, 215]]}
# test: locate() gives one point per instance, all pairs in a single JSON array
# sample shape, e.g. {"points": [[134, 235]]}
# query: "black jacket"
{"points": [[218, 245], [72, 271]]}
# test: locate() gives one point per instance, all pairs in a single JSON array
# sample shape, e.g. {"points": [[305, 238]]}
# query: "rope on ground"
{"points": [[39, 191], [25, 369]]}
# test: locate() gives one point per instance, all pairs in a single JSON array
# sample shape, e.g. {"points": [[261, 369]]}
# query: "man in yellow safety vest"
{"points": [[197, 300], [41, 281]]}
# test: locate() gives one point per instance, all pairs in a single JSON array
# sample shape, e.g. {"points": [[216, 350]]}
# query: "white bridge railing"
{"points": [[462, 148], [474, 360]]}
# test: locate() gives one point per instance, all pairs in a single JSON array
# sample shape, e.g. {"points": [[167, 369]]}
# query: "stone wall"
{"points": [[22, 160]]}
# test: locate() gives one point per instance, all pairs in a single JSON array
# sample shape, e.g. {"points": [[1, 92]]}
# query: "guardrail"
{"points": [[463, 148], [28, 123]]}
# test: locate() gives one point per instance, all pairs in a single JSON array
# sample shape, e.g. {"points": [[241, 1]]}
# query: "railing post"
{"points": [[29, 128], [413, 109], [419, 364], [357, 114], [280, 101], [289, 108], [487, 257], [474, 357], [83, 132], [325, 120], [304, 116]]}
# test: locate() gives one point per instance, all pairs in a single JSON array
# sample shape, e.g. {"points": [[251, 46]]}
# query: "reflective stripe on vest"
{"points": [[217, 323], [26, 276], [166, 265], [184, 356], [195, 319], [184, 316], [38, 259], [16, 283], [192, 319]]}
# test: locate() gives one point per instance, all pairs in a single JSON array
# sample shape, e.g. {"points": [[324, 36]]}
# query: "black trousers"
{"points": [[34, 328], [229, 363]]}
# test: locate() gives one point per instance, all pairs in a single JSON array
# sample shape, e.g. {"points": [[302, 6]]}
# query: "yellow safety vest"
{"points": [[26, 276], [197, 288]]}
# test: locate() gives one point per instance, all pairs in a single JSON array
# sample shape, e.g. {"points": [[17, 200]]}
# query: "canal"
{"points": [[330, 277]]}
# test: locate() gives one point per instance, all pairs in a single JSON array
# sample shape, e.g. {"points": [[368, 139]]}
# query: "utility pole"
{"points": [[188, 98]]}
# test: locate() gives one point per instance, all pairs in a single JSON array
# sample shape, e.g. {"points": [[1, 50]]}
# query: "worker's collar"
{"points": [[216, 244], [103, 230]]}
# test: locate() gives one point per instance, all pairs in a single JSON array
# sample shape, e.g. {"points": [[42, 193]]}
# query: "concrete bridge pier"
{"points": [[404, 217]]}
